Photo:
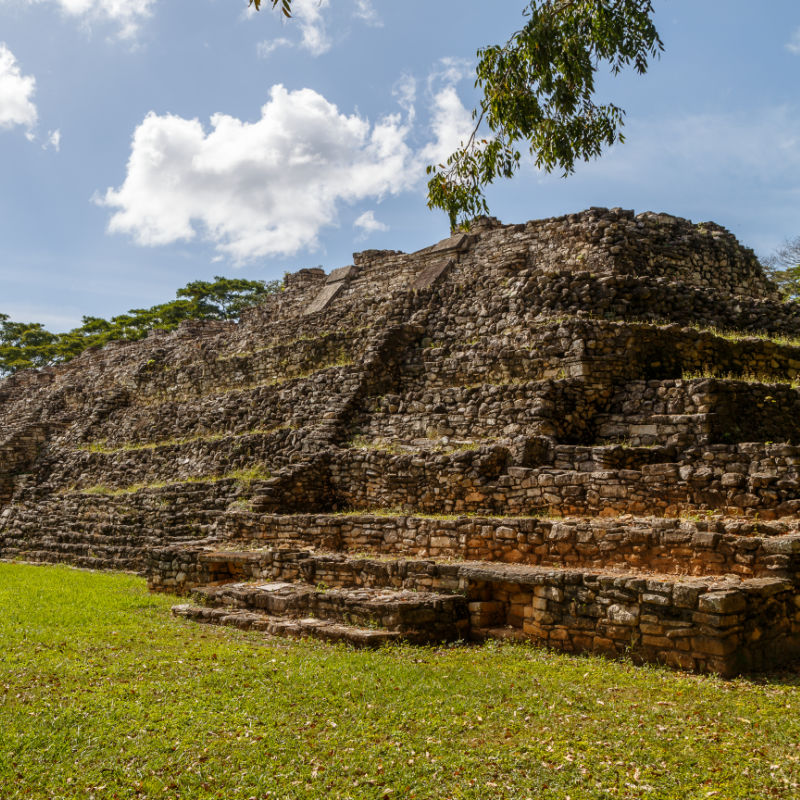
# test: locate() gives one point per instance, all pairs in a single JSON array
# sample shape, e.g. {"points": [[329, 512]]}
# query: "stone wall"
{"points": [[704, 546], [723, 625], [742, 479]]}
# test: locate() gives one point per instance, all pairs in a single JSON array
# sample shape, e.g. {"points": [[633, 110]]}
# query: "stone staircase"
{"points": [[581, 432], [361, 616]]}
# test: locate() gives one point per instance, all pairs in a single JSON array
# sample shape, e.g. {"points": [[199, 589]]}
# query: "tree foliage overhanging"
{"points": [[538, 94], [29, 344], [783, 266]]}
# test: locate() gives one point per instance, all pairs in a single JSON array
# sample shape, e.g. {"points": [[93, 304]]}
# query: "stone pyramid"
{"points": [[582, 431]]}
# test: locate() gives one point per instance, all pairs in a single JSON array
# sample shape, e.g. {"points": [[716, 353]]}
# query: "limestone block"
{"points": [[623, 615], [324, 298], [432, 274], [725, 602], [341, 274]]}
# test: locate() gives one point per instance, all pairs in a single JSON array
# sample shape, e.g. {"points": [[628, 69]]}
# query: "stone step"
{"points": [[181, 568], [419, 616], [295, 404], [100, 546], [280, 360], [700, 546], [598, 349], [721, 624], [190, 460], [280, 626]]}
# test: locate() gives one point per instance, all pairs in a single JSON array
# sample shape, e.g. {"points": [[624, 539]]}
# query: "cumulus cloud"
{"points": [[262, 188], [127, 15], [309, 17], [369, 224], [16, 93], [793, 45], [366, 12], [268, 187], [312, 25]]}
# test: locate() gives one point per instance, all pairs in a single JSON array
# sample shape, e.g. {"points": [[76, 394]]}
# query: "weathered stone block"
{"points": [[724, 602]]}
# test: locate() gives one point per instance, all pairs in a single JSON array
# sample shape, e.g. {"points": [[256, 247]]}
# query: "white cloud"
{"points": [[16, 92], [312, 25], [54, 140], [366, 11], [793, 45], [269, 187], [451, 122], [405, 90], [269, 46], [308, 16], [369, 224], [127, 15], [262, 188], [450, 71]]}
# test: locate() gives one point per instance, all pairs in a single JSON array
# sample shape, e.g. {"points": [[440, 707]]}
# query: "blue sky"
{"points": [[147, 143]]}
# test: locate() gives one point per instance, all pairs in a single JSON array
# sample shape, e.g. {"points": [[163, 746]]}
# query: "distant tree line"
{"points": [[30, 344]]}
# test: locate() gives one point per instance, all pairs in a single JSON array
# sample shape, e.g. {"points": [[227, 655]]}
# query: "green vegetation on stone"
{"points": [[708, 374], [104, 448], [105, 696], [248, 475]]}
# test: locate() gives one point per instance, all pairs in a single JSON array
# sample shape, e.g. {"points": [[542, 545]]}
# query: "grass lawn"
{"points": [[104, 695]]}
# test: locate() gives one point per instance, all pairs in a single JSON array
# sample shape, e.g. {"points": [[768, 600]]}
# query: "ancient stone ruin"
{"points": [[582, 431]]}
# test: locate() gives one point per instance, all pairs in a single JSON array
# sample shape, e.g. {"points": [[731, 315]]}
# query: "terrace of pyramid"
{"points": [[582, 432]]}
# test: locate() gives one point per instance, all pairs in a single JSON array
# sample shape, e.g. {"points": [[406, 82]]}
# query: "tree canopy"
{"points": [[783, 267], [538, 94], [29, 344]]}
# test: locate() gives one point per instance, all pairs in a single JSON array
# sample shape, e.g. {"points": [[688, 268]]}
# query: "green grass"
{"points": [[103, 695], [731, 335], [255, 473], [707, 374], [103, 447], [739, 336]]}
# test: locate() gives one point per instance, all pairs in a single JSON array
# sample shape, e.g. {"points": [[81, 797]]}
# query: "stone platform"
{"points": [[582, 432]]}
